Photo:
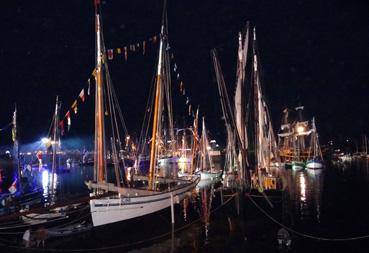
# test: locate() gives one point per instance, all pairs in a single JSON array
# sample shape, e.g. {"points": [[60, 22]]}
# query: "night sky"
{"points": [[311, 52]]}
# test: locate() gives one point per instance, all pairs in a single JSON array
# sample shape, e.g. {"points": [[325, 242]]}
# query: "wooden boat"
{"points": [[315, 160], [206, 168], [150, 194]]}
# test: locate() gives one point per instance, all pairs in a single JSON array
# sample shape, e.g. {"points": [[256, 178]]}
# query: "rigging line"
{"points": [[6, 127], [304, 234], [147, 116], [121, 245]]}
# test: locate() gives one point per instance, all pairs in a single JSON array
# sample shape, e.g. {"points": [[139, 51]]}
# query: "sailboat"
{"points": [[148, 194], [265, 146], [17, 190], [206, 168], [293, 142], [315, 159]]}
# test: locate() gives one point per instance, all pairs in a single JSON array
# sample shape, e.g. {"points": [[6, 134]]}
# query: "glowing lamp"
{"points": [[45, 140], [300, 129]]}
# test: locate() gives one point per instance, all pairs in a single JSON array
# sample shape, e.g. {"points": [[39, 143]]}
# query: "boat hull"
{"points": [[111, 210], [297, 165], [314, 165]]}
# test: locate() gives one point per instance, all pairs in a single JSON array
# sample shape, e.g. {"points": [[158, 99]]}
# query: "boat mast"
{"points": [[256, 102], [195, 144], [54, 143], [156, 118], [99, 154], [16, 146]]}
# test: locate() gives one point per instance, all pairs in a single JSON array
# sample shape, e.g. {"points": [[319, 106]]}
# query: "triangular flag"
{"points": [[69, 121], [110, 54], [74, 107], [61, 126], [13, 188], [125, 53], [82, 95], [181, 87]]}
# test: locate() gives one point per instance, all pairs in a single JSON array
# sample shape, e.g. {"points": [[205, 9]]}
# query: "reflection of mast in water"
{"points": [[207, 209], [317, 182], [185, 207]]}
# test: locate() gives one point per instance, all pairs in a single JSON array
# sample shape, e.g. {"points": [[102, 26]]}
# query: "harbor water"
{"points": [[322, 210]]}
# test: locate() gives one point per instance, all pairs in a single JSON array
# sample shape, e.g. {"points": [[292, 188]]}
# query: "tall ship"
{"points": [[298, 142]]}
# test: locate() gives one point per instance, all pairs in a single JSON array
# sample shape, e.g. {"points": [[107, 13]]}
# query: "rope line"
{"points": [[304, 234]]}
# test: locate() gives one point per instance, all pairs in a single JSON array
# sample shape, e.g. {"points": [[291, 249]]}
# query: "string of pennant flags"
{"points": [[124, 50], [133, 47], [74, 108]]}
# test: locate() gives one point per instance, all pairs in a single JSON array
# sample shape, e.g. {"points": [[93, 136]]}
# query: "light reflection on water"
{"points": [[304, 188], [46, 182]]}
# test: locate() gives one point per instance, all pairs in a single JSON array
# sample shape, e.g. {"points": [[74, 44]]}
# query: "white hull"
{"points": [[297, 166], [314, 165], [134, 204]]}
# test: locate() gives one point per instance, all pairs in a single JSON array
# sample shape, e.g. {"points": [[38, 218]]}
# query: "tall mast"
{"points": [[158, 95], [16, 147], [99, 155], [256, 101], [54, 143]]}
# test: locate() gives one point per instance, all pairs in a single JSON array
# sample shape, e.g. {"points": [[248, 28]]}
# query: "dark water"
{"points": [[324, 204]]}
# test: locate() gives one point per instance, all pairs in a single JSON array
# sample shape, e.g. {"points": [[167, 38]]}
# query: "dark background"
{"points": [[311, 52]]}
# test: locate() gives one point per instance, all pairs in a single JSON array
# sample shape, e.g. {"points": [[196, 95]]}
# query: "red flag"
{"points": [[61, 126], [82, 95], [110, 54], [125, 53], [97, 2]]}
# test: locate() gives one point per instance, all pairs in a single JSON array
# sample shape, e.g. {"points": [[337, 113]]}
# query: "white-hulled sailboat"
{"points": [[206, 168], [128, 203], [315, 159]]}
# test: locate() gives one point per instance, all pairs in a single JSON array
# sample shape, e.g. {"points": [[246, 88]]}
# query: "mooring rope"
{"points": [[304, 234]]}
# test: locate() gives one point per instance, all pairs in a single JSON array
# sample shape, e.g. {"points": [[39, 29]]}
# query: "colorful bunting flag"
{"points": [[110, 54], [74, 107], [69, 121], [181, 87], [82, 95], [125, 53], [61, 126]]}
